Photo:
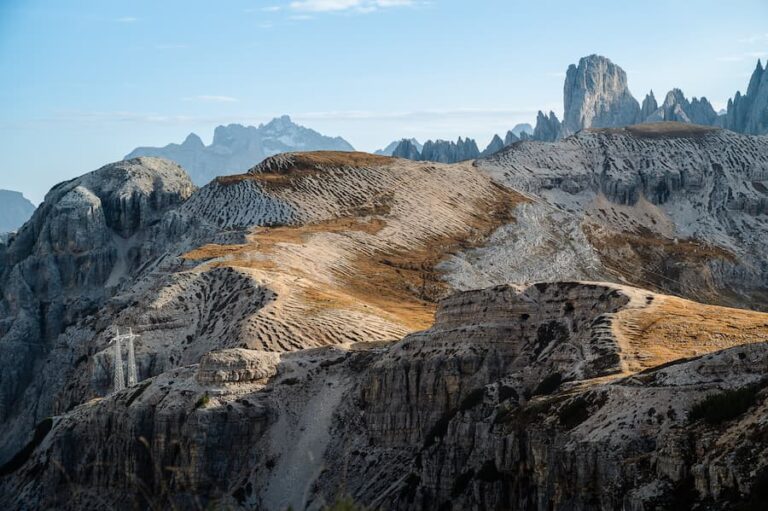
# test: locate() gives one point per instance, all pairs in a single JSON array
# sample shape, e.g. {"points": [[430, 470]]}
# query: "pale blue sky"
{"points": [[84, 82]]}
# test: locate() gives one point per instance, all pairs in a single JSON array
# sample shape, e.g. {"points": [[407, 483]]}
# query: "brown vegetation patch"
{"points": [[673, 328], [281, 170], [337, 159], [406, 282], [648, 260], [666, 129], [263, 240]]}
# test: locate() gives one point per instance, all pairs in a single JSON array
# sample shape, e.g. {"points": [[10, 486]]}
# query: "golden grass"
{"points": [[275, 174], [650, 261], [407, 283], [672, 328], [402, 284]]}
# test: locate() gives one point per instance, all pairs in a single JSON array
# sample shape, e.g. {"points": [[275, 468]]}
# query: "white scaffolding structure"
{"points": [[118, 381]]}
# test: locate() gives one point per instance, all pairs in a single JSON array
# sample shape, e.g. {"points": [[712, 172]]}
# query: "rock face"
{"points": [[748, 113], [639, 191], [548, 128], [344, 323], [596, 95], [236, 148], [649, 106], [352, 249], [15, 209], [89, 236], [516, 398]]}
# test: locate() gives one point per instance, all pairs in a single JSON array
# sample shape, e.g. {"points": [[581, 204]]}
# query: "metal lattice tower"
{"points": [[118, 382], [132, 379]]}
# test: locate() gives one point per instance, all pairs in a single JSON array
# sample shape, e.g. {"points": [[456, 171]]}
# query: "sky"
{"points": [[84, 82]]}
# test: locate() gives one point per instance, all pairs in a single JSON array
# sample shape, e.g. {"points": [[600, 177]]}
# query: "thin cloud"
{"points": [[171, 46], [127, 19], [750, 55], [458, 115], [347, 5], [269, 8], [212, 99], [756, 38]]}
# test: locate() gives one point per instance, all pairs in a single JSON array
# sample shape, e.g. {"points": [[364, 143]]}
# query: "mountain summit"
{"points": [[15, 209], [236, 148], [596, 95]]}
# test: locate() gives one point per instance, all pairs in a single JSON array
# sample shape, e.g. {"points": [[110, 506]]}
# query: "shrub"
{"points": [[724, 406], [203, 401]]}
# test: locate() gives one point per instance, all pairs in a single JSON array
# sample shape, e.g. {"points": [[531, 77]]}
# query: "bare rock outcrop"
{"points": [[548, 128], [596, 95], [515, 399], [237, 365], [81, 243], [638, 194]]}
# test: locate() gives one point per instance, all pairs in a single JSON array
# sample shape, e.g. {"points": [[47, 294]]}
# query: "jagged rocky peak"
{"points": [[748, 113], [548, 128], [677, 108], [650, 105], [496, 145], [407, 149], [596, 95], [444, 151]]}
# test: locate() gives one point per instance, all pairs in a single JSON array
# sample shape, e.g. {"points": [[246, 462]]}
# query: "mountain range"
{"points": [[561, 325], [236, 148], [596, 95], [15, 209]]}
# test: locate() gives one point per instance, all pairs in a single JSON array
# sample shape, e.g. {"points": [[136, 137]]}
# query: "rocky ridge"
{"points": [[683, 205], [439, 420], [270, 305]]}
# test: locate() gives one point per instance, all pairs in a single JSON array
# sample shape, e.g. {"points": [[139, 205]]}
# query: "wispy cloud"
{"points": [[212, 99], [127, 19], [347, 5], [749, 55], [171, 46], [755, 38], [269, 8], [439, 115]]}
